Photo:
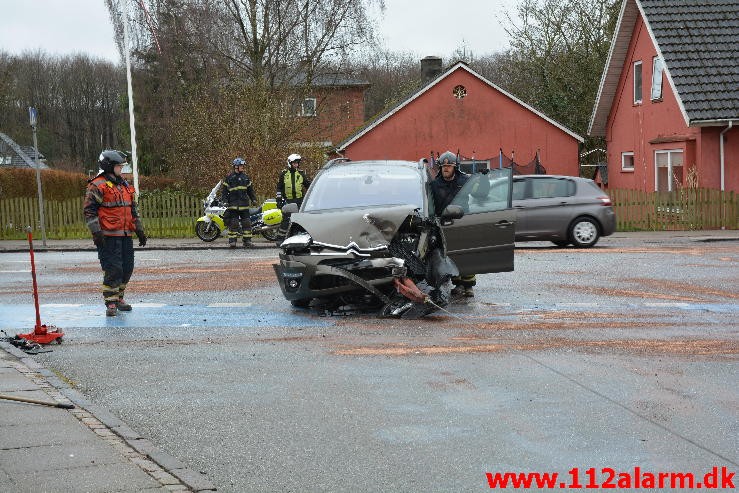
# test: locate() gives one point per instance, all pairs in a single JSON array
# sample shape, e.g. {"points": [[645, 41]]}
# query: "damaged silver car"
{"points": [[368, 235]]}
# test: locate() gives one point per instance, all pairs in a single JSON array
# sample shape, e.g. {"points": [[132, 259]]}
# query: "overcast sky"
{"points": [[423, 27]]}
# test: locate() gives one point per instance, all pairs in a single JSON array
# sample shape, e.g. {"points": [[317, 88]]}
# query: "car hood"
{"points": [[367, 228]]}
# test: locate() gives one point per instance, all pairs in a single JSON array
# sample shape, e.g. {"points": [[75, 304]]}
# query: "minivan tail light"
{"points": [[605, 200]]}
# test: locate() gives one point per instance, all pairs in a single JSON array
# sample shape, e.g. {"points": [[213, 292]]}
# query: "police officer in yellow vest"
{"points": [[291, 187]]}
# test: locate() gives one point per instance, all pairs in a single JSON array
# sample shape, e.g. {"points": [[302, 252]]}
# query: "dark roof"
{"points": [[16, 156], [328, 80], [699, 41]]}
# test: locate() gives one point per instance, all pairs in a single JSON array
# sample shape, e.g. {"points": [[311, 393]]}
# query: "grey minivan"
{"points": [[561, 209]]}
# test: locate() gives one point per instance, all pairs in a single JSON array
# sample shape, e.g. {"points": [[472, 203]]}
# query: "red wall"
{"points": [[339, 112], [710, 158], [659, 125], [479, 124]]}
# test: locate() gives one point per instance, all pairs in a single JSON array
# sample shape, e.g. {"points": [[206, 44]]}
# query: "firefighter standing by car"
{"points": [[111, 214], [237, 194], [445, 187], [291, 187]]}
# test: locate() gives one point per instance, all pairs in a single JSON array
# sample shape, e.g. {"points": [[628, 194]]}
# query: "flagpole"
{"points": [[131, 121]]}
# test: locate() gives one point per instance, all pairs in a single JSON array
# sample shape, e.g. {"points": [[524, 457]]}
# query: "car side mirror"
{"points": [[289, 208], [451, 213]]}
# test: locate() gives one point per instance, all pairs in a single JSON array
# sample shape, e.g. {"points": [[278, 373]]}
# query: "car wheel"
{"points": [[584, 232], [561, 243], [302, 303]]}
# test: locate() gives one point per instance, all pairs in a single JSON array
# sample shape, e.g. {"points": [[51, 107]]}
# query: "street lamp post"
{"points": [[33, 117]]}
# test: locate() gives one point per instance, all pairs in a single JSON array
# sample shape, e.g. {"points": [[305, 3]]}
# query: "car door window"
{"points": [[519, 189], [486, 192], [544, 188]]}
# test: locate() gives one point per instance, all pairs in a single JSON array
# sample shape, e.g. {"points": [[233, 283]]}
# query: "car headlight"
{"points": [[297, 242]]}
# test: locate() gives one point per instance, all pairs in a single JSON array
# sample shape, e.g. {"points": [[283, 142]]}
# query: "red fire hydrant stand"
{"points": [[42, 334]]}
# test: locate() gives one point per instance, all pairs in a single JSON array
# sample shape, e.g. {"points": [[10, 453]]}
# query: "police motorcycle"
{"points": [[265, 220]]}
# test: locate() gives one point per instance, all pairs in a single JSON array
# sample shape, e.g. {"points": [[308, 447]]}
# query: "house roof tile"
{"points": [[699, 42]]}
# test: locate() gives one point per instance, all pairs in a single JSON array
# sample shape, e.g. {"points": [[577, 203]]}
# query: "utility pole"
{"points": [[127, 49], [33, 117]]}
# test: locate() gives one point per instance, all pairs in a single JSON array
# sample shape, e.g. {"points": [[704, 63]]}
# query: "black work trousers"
{"points": [[238, 222], [116, 259]]}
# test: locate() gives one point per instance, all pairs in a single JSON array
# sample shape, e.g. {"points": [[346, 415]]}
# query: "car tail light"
{"points": [[604, 200]]}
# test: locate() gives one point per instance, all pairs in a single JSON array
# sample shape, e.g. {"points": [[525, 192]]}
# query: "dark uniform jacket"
{"points": [[444, 191], [292, 184], [110, 206], [237, 191]]}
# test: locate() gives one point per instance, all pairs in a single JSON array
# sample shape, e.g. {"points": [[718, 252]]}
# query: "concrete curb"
{"points": [[170, 465]]}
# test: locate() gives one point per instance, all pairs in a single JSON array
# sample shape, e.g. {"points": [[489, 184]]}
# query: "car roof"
{"points": [[551, 176], [371, 162]]}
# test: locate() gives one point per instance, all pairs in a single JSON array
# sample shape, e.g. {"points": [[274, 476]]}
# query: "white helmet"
{"points": [[292, 158]]}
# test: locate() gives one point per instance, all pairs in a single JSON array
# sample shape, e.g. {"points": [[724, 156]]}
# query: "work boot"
{"points": [[247, 243], [123, 306], [468, 292], [232, 242], [111, 309], [457, 291]]}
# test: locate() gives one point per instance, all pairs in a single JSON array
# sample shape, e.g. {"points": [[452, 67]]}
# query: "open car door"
{"points": [[483, 240]]}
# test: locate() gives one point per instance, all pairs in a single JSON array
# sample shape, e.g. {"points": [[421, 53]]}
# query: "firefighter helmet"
{"points": [[109, 158], [448, 158], [238, 162]]}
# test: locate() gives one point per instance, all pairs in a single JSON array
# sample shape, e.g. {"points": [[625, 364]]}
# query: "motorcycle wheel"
{"points": [[270, 234], [207, 231]]}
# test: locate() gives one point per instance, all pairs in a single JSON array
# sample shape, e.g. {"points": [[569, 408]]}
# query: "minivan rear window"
{"points": [[551, 187]]}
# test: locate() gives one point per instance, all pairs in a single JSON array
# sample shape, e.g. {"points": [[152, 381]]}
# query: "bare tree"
{"points": [[558, 50], [78, 99]]}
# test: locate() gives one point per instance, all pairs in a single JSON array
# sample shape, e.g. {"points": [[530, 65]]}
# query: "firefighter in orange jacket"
{"points": [[111, 214]]}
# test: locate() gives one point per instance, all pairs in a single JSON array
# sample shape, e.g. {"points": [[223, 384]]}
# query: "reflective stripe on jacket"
{"points": [[292, 184], [110, 207], [237, 191]]}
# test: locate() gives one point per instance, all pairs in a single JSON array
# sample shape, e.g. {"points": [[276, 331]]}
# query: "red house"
{"points": [[668, 100], [333, 107], [461, 110]]}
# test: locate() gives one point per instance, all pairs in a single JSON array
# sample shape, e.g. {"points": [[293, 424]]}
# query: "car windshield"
{"points": [[358, 185]]}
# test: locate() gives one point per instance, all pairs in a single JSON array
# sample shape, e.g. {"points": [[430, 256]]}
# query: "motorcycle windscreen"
{"points": [[482, 241]]}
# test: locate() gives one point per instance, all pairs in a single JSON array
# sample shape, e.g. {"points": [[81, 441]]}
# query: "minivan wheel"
{"points": [[584, 232], [561, 243]]}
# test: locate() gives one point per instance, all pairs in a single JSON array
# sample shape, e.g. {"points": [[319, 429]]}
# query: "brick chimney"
{"points": [[430, 68]]}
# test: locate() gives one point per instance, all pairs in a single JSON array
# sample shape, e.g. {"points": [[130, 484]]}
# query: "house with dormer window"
{"points": [[668, 101]]}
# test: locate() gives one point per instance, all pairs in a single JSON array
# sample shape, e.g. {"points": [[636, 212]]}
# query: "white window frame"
{"points": [[304, 112], [623, 161], [658, 67], [669, 167], [641, 82]]}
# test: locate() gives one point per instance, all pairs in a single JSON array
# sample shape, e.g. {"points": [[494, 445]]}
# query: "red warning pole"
{"points": [[41, 333], [35, 286]]}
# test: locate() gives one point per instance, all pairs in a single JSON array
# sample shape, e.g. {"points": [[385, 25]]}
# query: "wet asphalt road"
{"points": [[621, 356]]}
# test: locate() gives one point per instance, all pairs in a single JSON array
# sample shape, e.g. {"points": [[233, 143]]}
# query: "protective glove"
{"points": [[142, 237], [98, 238]]}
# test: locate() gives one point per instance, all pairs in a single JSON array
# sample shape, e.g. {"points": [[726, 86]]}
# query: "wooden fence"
{"points": [[165, 216], [169, 215], [684, 209]]}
